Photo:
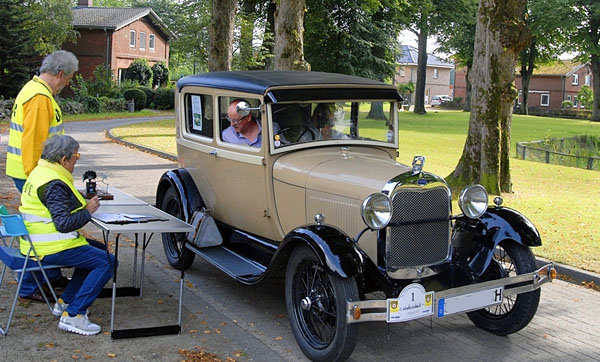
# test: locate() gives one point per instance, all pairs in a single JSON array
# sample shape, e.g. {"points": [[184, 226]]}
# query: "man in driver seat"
{"points": [[244, 130]]}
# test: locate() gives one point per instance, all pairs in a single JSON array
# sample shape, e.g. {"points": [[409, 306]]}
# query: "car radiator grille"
{"points": [[422, 243]]}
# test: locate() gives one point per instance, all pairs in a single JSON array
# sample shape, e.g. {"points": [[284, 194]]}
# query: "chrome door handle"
{"points": [[213, 153]]}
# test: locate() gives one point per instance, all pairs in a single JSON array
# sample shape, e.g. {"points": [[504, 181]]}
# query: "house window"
{"points": [[401, 72], [575, 80], [142, 41], [588, 80], [545, 100], [132, 38], [569, 97], [436, 73], [151, 42], [575, 102]]}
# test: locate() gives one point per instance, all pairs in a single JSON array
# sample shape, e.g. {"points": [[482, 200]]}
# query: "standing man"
{"points": [[36, 116]]}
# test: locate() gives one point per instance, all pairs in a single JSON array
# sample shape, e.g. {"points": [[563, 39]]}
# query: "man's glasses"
{"points": [[234, 121]]}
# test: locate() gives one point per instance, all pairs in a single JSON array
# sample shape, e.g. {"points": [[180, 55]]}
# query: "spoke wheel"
{"points": [[316, 303], [173, 243], [515, 311]]}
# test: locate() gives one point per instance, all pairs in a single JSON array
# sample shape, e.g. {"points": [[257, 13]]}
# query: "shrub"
{"points": [[566, 104], [455, 103], [139, 71], [102, 84], [112, 104], [6, 108], [160, 74], [138, 96], [70, 106], [91, 104], [165, 98], [150, 96]]}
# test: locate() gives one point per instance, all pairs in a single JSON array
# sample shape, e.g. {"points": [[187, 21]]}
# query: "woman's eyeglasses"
{"points": [[76, 155]]}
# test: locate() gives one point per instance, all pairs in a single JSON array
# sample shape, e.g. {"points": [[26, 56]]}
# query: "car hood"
{"points": [[353, 172]]}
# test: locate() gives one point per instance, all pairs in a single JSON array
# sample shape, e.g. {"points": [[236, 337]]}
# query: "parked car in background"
{"points": [[445, 98], [322, 201], [436, 101]]}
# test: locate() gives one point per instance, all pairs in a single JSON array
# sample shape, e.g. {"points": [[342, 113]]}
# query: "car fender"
{"points": [[184, 185], [335, 250], [498, 224]]}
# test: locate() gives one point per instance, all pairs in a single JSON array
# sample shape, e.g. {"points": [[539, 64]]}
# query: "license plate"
{"points": [[412, 303], [471, 301]]}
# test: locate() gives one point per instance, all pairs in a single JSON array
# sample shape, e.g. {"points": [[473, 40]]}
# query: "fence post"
{"points": [[590, 163], [547, 156]]}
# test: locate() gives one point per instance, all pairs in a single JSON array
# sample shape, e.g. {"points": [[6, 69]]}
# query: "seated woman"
{"points": [[323, 117], [53, 211]]}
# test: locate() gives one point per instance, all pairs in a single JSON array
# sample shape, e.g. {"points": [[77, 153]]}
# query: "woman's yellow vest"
{"points": [[42, 231], [14, 161]]}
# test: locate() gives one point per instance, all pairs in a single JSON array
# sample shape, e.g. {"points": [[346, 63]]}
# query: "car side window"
{"points": [[199, 117], [239, 129]]}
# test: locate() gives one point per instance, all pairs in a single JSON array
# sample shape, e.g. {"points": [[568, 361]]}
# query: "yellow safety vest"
{"points": [[38, 221], [14, 160]]}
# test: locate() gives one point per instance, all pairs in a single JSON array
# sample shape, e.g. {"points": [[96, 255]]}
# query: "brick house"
{"points": [[551, 85], [116, 37], [439, 74]]}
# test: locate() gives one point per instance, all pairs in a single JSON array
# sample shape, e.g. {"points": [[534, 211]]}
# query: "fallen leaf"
{"points": [[223, 324], [278, 338], [194, 331], [111, 355], [75, 357], [218, 330], [206, 332], [49, 345], [87, 356], [76, 351], [190, 284]]}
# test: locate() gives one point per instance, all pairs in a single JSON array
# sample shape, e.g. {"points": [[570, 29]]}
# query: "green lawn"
{"points": [[563, 202]]}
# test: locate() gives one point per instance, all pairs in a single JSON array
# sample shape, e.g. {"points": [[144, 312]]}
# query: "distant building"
{"points": [[551, 85], [439, 78], [116, 37]]}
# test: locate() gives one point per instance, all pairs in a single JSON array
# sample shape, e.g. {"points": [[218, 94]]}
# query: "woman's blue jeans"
{"points": [[93, 268]]}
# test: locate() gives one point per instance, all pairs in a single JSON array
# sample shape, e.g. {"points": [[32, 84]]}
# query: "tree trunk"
{"points": [[289, 34], [421, 72], [248, 16], [376, 111], [221, 34], [500, 36], [595, 64], [467, 106], [527, 59]]}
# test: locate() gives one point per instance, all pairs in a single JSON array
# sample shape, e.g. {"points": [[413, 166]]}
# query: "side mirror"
{"points": [[243, 108]]}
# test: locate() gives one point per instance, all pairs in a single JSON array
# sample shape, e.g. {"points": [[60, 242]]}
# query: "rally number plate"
{"points": [[412, 303]]}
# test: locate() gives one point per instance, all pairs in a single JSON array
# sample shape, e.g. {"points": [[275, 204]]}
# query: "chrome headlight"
{"points": [[473, 201], [376, 211]]}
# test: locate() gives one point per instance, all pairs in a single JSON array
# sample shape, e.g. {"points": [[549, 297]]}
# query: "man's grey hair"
{"points": [[60, 60], [59, 146]]}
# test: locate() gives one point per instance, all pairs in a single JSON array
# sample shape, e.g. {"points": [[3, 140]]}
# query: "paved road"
{"points": [[253, 320]]}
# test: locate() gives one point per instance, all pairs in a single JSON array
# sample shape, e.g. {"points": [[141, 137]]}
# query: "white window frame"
{"points": [[151, 41], [547, 102], [436, 73], [132, 38], [142, 40], [569, 97], [575, 80], [588, 80]]}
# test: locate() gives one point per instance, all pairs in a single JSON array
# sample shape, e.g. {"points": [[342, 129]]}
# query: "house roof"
{"points": [[560, 68], [410, 56], [115, 18]]}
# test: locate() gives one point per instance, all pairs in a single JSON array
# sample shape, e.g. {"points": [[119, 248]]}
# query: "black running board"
{"points": [[234, 265]]}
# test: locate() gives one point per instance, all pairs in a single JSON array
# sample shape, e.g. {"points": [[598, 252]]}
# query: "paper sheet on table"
{"points": [[120, 218]]}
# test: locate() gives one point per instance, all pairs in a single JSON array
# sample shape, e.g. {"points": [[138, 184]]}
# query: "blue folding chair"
{"points": [[3, 211], [13, 259]]}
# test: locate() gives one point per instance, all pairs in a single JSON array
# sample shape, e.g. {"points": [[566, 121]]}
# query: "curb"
{"points": [[572, 274], [108, 134]]}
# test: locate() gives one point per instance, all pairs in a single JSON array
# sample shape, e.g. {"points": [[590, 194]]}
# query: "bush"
{"points": [[70, 106], [455, 103], [91, 104], [138, 96], [139, 71], [150, 96], [566, 104], [101, 85], [165, 98], [6, 108], [160, 74], [112, 104]]}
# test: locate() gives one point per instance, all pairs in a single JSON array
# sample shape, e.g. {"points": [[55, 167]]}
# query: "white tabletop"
{"points": [[171, 225], [121, 198]]}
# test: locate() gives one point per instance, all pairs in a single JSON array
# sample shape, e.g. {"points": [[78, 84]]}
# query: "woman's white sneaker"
{"points": [[79, 324]]}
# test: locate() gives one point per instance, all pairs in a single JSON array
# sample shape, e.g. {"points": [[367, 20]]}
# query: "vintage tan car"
{"points": [[296, 173]]}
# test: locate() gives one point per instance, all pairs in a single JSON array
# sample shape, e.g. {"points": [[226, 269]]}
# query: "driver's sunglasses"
{"points": [[235, 121]]}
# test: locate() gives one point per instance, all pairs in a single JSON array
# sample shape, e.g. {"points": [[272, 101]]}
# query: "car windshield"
{"points": [[319, 122]]}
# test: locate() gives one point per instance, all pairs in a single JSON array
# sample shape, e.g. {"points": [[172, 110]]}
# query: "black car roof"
{"points": [[259, 81]]}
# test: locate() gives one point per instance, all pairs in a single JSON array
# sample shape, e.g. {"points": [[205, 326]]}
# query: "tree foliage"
{"points": [[160, 74], [54, 24], [586, 96], [139, 71], [353, 37]]}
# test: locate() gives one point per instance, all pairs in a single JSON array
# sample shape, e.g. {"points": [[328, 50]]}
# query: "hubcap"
{"points": [[305, 303]]}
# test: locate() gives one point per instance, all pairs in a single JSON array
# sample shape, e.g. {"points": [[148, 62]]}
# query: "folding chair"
{"points": [[12, 258], [3, 211]]}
